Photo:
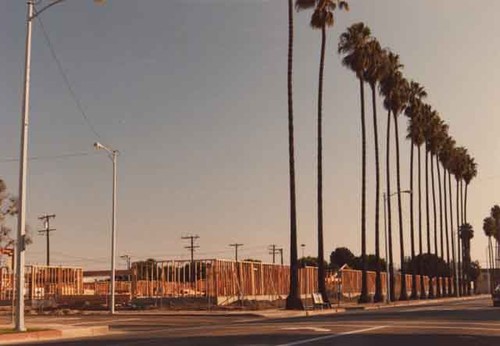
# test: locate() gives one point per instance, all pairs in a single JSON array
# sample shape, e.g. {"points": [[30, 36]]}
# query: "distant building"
{"points": [[487, 277]]}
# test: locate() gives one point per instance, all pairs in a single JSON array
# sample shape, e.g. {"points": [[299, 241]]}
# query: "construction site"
{"points": [[184, 284]]}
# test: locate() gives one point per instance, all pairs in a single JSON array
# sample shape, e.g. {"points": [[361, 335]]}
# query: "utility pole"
{"points": [[191, 248], [280, 250], [46, 221], [236, 246], [273, 251]]}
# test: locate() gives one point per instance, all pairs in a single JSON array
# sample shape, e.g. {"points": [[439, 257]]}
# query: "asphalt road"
{"points": [[459, 323]]}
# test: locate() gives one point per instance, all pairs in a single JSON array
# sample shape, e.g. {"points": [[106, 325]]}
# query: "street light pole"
{"points": [[388, 277], [23, 167], [113, 154]]}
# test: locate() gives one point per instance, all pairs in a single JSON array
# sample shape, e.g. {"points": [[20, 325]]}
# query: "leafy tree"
{"points": [[474, 272], [310, 261], [8, 209], [341, 256]]}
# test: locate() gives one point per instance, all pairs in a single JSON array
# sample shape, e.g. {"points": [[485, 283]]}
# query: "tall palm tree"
{"points": [[449, 161], [353, 44], [444, 158], [321, 18], [413, 112], [429, 128], [416, 131], [439, 133], [293, 300], [396, 98], [458, 162], [489, 228], [391, 68], [373, 75]]}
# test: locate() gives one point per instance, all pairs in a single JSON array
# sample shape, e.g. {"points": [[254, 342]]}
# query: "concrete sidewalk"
{"points": [[43, 332]]}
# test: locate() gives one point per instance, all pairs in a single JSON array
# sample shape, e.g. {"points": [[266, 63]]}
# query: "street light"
{"points": [[387, 276], [23, 165], [113, 155]]}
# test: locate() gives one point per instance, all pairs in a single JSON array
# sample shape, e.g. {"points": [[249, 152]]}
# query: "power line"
{"points": [[49, 157], [66, 80]]}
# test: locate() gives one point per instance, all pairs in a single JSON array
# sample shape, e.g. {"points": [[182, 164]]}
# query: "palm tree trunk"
{"points": [[459, 244], [462, 248], [445, 194], [441, 289], [436, 251], [403, 294], [490, 255], [420, 243], [389, 226], [412, 235], [455, 269], [431, 289], [467, 271], [465, 203], [363, 298], [321, 255], [293, 300], [378, 280]]}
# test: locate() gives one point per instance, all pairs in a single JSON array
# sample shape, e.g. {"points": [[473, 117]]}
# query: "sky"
{"points": [[193, 95]]}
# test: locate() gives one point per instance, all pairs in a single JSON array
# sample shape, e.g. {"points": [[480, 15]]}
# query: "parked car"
{"points": [[496, 296]]}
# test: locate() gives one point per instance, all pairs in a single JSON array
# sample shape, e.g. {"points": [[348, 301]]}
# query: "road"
{"points": [[454, 323]]}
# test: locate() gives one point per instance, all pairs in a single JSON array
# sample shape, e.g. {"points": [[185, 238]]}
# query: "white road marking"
{"points": [[326, 337], [315, 329]]}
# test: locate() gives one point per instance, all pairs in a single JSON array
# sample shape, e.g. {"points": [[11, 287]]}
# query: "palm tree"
{"points": [[353, 43], [444, 158], [293, 300], [373, 75], [457, 165], [321, 18], [413, 112], [489, 227], [391, 68], [396, 92], [429, 127], [449, 162], [416, 132], [470, 173], [439, 134]]}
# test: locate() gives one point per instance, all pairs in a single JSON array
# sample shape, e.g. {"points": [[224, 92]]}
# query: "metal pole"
{"points": [[23, 167], [113, 238], [387, 276]]}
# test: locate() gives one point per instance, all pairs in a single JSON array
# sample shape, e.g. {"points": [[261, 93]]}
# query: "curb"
{"points": [[52, 334]]}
